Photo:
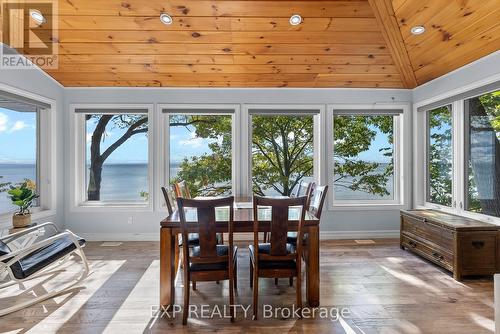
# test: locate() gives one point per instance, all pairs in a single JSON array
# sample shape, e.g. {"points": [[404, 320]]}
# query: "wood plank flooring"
{"points": [[385, 289]]}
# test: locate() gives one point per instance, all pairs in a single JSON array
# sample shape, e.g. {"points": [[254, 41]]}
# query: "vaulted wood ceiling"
{"points": [[251, 43]]}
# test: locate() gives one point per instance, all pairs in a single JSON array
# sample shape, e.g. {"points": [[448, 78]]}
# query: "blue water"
{"points": [[124, 182], [14, 173]]}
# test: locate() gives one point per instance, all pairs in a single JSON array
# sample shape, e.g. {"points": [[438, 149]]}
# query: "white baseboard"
{"points": [[324, 235]]}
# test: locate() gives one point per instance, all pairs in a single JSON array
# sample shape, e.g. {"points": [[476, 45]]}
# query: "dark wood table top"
{"points": [[243, 217]]}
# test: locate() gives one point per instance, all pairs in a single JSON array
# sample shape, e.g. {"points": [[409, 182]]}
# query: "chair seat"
{"points": [[265, 248], [222, 250], [194, 239], [291, 238], [43, 257]]}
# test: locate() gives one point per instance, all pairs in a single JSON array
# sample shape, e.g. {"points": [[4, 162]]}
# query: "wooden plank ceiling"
{"points": [[251, 43], [457, 33]]}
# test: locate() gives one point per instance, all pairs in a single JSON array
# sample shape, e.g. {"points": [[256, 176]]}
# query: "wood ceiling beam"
{"points": [[384, 13]]}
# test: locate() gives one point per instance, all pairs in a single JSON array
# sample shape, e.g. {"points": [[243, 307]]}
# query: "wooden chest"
{"points": [[461, 245]]}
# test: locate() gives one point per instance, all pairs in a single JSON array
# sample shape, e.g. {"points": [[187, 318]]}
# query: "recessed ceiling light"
{"points": [[37, 16], [295, 19], [166, 19], [417, 30]]}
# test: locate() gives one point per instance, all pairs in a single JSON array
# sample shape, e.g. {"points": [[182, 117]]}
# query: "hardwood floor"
{"points": [[385, 289]]}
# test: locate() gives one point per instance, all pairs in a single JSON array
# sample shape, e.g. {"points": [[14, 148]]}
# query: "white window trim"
{"points": [[319, 173], [420, 156], [402, 165], [455, 158], [47, 169], [77, 135], [163, 164]]}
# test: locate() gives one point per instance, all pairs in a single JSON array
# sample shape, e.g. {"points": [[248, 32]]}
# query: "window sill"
{"points": [[112, 207], [367, 207], [6, 219]]}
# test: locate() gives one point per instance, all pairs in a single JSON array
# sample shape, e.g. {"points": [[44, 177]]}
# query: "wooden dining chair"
{"points": [[209, 261], [181, 189], [168, 200], [317, 200], [315, 207], [277, 258], [303, 189]]}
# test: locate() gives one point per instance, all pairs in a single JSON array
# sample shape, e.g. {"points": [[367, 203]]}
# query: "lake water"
{"points": [[14, 173], [126, 181]]}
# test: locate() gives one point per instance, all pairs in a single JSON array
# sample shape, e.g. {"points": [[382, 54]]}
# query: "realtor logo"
{"points": [[29, 34]]}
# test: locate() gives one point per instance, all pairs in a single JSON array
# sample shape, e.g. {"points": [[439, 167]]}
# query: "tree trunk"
{"points": [[95, 177]]}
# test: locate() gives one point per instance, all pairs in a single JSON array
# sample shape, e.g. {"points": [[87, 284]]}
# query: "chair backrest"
{"points": [[317, 200], [168, 199], [279, 222], [181, 190], [206, 228], [16, 267], [303, 189]]}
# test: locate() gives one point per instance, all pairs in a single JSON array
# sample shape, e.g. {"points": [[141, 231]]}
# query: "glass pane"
{"points": [[18, 152], [117, 158], [282, 153], [363, 157], [483, 152], [200, 153], [440, 156]]}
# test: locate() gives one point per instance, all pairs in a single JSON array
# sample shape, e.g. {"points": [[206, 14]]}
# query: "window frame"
{"points": [[163, 164], [78, 198], [46, 156], [459, 184], [454, 136], [402, 135], [281, 109]]}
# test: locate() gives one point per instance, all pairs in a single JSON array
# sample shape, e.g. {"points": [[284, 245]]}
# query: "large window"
{"points": [[282, 152], [461, 156], [116, 157], [439, 156], [364, 157], [18, 152], [482, 151], [200, 148]]}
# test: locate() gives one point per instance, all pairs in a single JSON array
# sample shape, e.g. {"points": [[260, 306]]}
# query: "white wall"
{"points": [[35, 81], [113, 225]]}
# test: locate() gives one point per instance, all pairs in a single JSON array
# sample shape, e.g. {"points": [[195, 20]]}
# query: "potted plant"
{"points": [[22, 196]]}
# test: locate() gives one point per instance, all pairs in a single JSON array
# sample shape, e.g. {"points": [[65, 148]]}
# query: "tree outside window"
{"points": [[440, 156]]}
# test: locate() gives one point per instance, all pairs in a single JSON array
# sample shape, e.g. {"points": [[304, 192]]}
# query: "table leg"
{"points": [[313, 276], [167, 267]]}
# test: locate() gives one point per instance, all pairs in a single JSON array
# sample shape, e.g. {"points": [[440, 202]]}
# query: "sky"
{"points": [[18, 142], [17, 136], [183, 143], [373, 154], [134, 150]]}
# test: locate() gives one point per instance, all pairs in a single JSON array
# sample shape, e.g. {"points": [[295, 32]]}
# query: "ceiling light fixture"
{"points": [[417, 30], [166, 19], [37, 16], [295, 19]]}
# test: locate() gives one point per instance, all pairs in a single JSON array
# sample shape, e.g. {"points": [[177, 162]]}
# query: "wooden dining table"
{"points": [[243, 223]]}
